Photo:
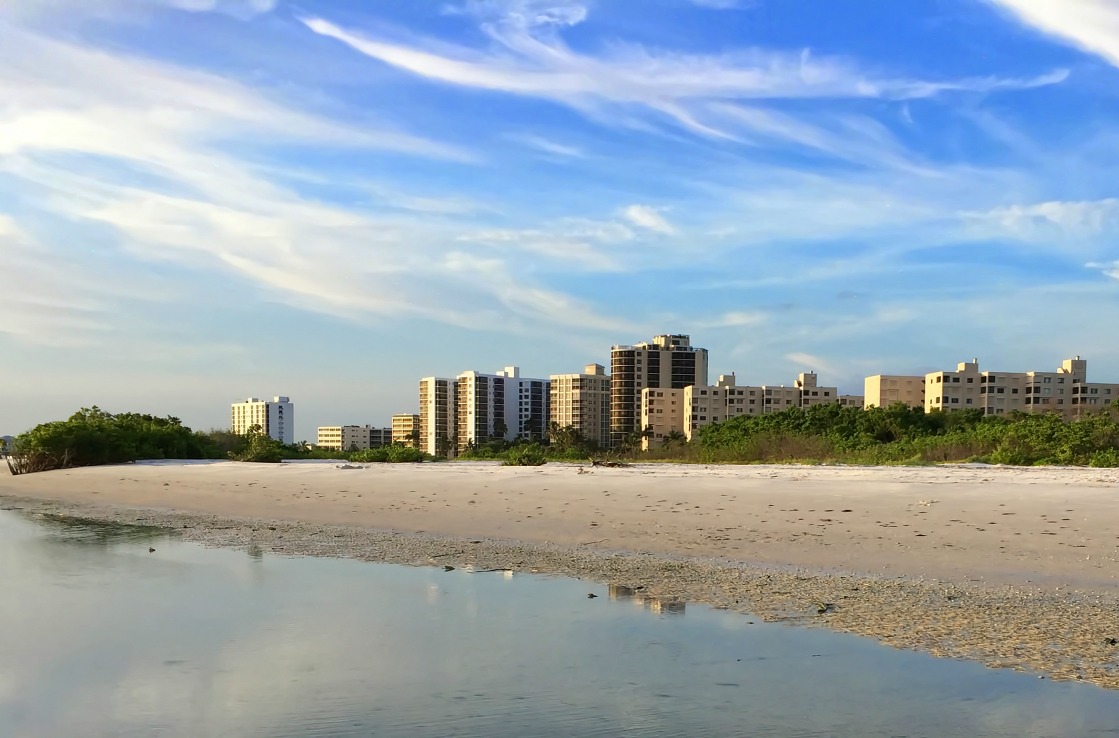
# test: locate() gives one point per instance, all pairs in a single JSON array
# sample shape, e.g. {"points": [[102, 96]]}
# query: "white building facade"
{"points": [[276, 417]]}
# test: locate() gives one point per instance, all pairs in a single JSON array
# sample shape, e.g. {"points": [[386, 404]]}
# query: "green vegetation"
{"points": [[395, 454], [92, 437], [902, 435], [527, 455]]}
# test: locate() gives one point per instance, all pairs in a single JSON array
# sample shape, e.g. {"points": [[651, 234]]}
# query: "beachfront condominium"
{"points": [[1065, 391], [275, 417], [503, 405], [883, 390], [352, 437], [438, 432], [667, 362], [406, 430], [667, 414], [811, 393], [582, 402]]}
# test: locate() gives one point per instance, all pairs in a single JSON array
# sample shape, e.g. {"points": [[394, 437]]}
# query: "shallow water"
{"points": [[100, 637]]}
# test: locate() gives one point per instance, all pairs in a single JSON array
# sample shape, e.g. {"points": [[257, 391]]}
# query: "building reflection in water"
{"points": [[653, 604]]}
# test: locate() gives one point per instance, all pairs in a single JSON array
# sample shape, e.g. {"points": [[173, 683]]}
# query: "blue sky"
{"points": [[202, 200]]}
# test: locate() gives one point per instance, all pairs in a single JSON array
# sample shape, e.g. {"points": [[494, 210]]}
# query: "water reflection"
{"points": [[107, 640], [86, 531], [657, 605]]}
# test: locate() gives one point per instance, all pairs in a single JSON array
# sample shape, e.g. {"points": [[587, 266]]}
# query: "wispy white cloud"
{"points": [[548, 146], [810, 362], [1090, 25], [721, 4], [143, 149], [1082, 222], [529, 58], [648, 217]]}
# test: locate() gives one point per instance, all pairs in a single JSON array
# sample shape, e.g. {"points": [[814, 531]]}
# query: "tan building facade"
{"points": [[1065, 391], [406, 430], [662, 414], [352, 437], [812, 394], [958, 390], [667, 362], [582, 401], [883, 390], [438, 429]]}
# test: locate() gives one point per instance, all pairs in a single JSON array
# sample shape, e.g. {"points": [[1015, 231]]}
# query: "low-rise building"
{"points": [[883, 390], [662, 415], [958, 390], [812, 394], [352, 437]]}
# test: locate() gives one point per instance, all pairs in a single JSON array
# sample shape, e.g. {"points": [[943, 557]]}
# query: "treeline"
{"points": [[902, 435], [92, 437]]}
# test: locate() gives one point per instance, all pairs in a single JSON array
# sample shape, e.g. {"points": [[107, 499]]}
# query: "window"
{"points": [[955, 400]]}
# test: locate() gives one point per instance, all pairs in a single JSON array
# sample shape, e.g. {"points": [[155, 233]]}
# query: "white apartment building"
{"points": [[352, 437], [276, 417], [582, 401], [883, 390], [667, 362], [438, 429], [503, 405]]}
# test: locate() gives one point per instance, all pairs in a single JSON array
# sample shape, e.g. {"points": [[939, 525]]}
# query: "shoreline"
{"points": [[1055, 635], [1011, 568]]}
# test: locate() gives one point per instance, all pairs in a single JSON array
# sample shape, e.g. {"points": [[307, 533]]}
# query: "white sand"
{"points": [[1048, 527]]}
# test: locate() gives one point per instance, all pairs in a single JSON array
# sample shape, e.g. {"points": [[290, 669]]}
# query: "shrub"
{"points": [[526, 456]]}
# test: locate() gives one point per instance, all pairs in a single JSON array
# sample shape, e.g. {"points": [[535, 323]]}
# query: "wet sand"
{"points": [[1011, 567]]}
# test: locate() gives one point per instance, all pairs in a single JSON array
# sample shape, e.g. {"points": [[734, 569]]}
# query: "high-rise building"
{"points": [[504, 406], [582, 401], [406, 430], [668, 362], [438, 428], [275, 417]]}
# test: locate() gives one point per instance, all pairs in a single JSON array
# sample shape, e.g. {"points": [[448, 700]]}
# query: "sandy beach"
{"points": [[1012, 567]]}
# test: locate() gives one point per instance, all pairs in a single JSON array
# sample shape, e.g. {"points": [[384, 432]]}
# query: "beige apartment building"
{"points": [[352, 437], [958, 390], [812, 394], [662, 413], [582, 401], [438, 428], [406, 430], [852, 401], [276, 417], [779, 398], [1065, 391], [883, 390], [667, 362]]}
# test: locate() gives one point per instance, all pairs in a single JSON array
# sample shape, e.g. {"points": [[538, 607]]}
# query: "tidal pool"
{"points": [[102, 636]]}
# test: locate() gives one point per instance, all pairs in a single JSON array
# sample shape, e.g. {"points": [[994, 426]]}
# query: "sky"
{"points": [[205, 200]]}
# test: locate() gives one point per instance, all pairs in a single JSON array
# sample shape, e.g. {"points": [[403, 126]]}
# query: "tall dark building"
{"points": [[668, 361]]}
